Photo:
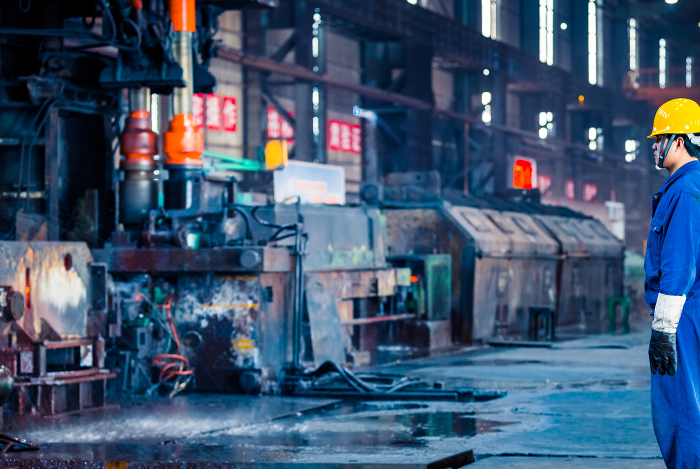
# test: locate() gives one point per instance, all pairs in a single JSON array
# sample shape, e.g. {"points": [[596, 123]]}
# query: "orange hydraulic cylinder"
{"points": [[138, 142], [183, 142], [182, 14]]}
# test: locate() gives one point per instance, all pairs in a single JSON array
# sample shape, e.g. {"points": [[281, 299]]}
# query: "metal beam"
{"points": [[301, 73], [262, 63], [457, 43]]}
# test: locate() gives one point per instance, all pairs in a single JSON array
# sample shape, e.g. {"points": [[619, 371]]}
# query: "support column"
{"points": [[498, 117], [310, 107], [466, 152], [419, 128], [370, 161]]}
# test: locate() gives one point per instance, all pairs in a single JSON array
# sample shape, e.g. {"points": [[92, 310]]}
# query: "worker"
{"points": [[672, 285]]}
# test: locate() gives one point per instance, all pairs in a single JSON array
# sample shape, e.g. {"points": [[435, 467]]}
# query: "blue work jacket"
{"points": [[673, 246]]}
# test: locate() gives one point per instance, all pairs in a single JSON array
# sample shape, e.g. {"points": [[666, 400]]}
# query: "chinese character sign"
{"points": [[198, 109], [356, 139], [343, 136], [589, 192], [277, 127], [334, 135], [213, 112], [286, 130], [230, 113], [569, 188]]}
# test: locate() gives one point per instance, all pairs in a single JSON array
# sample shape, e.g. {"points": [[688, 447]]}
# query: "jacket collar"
{"points": [[689, 166]]}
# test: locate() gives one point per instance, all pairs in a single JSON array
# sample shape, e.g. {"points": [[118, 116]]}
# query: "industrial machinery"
{"points": [[53, 326], [511, 262], [128, 248]]}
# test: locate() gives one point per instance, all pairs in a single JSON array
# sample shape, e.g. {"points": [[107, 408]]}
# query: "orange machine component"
{"points": [[183, 142], [138, 4], [522, 174], [138, 141], [182, 14]]}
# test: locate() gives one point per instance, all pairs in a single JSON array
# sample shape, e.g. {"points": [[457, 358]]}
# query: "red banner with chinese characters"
{"points": [[230, 113], [213, 112], [344, 136], [218, 117], [198, 109], [278, 127]]}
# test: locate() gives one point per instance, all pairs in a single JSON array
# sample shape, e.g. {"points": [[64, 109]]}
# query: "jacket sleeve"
{"points": [[679, 255]]}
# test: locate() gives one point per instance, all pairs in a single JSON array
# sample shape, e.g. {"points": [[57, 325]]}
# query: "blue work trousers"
{"points": [[675, 403]]}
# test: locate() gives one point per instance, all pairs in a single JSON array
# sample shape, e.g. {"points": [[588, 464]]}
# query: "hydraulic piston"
{"points": [[138, 189], [183, 143]]}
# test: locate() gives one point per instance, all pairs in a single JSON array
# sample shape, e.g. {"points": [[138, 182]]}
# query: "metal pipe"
{"points": [[139, 100], [182, 50], [298, 299]]}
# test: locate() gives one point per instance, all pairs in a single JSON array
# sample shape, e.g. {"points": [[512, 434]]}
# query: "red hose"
{"points": [[168, 361]]}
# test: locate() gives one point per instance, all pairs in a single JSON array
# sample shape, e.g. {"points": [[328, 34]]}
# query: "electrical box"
{"points": [[430, 294]]}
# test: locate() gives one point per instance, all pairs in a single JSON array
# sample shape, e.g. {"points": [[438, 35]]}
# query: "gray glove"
{"points": [[662, 353]]}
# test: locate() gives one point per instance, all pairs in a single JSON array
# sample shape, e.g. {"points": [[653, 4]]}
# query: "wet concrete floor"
{"points": [[581, 403]]}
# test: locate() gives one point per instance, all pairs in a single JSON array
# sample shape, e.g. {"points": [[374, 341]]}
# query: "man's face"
{"points": [[657, 148]]}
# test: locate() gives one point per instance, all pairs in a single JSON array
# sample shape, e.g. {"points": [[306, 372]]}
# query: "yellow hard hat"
{"points": [[678, 116]]}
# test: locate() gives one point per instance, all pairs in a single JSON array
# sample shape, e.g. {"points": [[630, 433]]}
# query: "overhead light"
{"points": [[486, 72], [671, 1], [564, 26], [412, 2]]}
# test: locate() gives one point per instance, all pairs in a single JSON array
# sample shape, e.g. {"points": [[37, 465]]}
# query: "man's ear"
{"points": [[681, 143]]}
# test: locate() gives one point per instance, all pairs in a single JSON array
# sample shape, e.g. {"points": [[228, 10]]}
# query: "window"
{"points": [[592, 42], [633, 43], [688, 72], [546, 125], [488, 18], [662, 63], [547, 31]]}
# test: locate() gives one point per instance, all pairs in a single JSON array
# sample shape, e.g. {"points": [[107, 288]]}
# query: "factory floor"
{"points": [[579, 403]]}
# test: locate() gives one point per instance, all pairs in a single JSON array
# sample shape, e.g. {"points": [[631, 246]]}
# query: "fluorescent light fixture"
{"points": [[592, 42], [486, 18], [592, 133]]}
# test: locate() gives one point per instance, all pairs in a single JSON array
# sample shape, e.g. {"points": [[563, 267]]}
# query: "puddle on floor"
{"points": [[367, 424], [495, 362]]}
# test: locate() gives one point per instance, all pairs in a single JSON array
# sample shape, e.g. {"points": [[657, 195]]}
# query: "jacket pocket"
{"points": [[655, 240]]}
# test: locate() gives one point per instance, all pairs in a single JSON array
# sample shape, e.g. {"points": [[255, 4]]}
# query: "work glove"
{"points": [[662, 353]]}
